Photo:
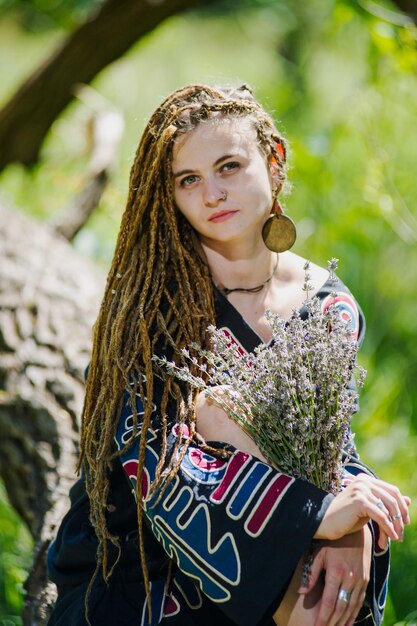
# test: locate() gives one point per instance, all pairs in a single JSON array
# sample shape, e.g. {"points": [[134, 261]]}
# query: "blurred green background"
{"points": [[340, 78]]}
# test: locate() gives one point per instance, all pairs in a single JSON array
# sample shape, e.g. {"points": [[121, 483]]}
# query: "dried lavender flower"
{"points": [[332, 266], [290, 395]]}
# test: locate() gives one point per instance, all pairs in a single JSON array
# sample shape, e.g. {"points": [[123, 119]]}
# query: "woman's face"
{"points": [[222, 182]]}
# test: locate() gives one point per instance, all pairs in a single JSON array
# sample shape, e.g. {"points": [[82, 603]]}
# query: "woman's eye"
{"points": [[231, 166], [188, 180]]}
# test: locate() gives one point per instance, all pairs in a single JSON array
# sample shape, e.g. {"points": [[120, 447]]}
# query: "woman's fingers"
{"points": [[363, 499], [399, 503], [380, 513], [390, 508], [385, 504], [382, 539], [397, 507], [355, 603], [328, 601], [343, 605], [393, 505], [334, 608]]}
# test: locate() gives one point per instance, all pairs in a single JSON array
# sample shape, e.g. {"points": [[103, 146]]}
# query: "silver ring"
{"points": [[398, 516], [379, 503], [224, 195], [344, 596]]}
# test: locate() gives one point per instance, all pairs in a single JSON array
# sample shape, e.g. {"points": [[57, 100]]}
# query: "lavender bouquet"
{"points": [[291, 395]]}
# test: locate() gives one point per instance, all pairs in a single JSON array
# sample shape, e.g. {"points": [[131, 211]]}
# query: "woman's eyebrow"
{"points": [[217, 162], [182, 172]]}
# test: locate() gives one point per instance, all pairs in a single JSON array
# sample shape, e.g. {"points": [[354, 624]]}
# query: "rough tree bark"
{"points": [[49, 298], [27, 117]]}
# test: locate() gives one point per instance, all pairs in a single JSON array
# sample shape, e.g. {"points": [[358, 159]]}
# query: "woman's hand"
{"points": [[347, 564], [363, 499]]}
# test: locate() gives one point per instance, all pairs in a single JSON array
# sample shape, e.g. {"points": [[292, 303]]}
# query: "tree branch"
{"points": [[404, 17], [105, 132], [27, 117], [409, 7]]}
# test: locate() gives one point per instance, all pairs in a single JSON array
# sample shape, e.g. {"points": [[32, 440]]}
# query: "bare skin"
{"points": [[223, 186], [346, 563], [296, 609]]}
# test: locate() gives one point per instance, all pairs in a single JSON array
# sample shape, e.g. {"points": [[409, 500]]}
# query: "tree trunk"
{"points": [[49, 298], [27, 117]]}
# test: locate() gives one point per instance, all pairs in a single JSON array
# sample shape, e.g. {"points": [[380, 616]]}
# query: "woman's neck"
{"points": [[240, 268]]}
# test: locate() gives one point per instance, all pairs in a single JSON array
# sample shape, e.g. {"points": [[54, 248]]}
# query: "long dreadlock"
{"points": [[155, 262]]}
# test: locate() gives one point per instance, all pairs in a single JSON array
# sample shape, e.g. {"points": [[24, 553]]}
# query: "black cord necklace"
{"points": [[256, 289]]}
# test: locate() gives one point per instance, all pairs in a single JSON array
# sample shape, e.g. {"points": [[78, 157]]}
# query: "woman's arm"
{"points": [[213, 424], [346, 555], [363, 498], [236, 527]]}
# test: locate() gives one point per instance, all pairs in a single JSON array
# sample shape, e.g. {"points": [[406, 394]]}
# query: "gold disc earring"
{"points": [[279, 232]]}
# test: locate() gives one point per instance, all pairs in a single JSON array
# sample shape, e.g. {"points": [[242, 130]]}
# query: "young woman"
{"points": [[210, 534]]}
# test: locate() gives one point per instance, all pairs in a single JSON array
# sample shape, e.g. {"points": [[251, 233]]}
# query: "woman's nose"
{"points": [[213, 194]]}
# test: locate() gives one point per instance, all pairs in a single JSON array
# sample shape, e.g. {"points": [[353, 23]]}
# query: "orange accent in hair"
{"points": [[280, 149]]}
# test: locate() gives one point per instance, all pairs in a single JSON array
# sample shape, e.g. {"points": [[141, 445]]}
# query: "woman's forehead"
{"points": [[231, 133]]}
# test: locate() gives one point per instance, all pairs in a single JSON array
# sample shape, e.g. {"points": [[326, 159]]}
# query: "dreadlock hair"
{"points": [[158, 287]]}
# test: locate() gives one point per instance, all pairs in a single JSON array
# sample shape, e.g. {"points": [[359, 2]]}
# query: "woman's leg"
{"points": [[296, 609]]}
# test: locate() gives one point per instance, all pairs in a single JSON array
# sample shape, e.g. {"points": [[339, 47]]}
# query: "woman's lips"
{"points": [[221, 216]]}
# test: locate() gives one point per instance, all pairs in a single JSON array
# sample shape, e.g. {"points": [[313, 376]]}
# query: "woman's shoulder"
{"points": [[330, 292], [293, 269]]}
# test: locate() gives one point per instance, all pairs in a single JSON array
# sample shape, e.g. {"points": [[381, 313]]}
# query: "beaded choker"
{"points": [[256, 289]]}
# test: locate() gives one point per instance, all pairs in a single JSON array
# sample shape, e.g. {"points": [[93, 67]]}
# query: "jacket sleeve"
{"points": [[235, 527]]}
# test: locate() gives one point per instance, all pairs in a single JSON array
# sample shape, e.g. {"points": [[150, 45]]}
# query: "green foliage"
{"points": [[15, 556], [41, 15], [342, 84]]}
